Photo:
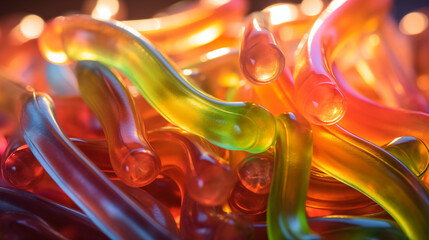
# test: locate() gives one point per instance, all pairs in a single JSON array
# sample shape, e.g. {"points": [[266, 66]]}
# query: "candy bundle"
{"points": [[299, 121]]}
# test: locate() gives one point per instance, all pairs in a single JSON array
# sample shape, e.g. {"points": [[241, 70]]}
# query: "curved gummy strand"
{"points": [[392, 78], [347, 227], [328, 196], [317, 95], [197, 221], [68, 222], [208, 179], [205, 222], [412, 152], [278, 95], [151, 205], [286, 217], [353, 227], [330, 147], [377, 123], [131, 155], [22, 170], [111, 210], [181, 31], [18, 225], [238, 126], [216, 72], [370, 169], [261, 60]]}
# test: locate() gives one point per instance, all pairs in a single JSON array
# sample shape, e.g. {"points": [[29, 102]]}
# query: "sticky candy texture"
{"points": [[239, 126]]}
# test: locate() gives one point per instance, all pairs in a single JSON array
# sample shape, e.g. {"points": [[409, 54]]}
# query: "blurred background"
{"points": [[137, 9]]}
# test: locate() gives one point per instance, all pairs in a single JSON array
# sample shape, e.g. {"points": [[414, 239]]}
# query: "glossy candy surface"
{"points": [[232, 125], [132, 158], [209, 126]]}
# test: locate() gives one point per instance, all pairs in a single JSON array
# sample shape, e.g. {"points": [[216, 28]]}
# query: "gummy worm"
{"points": [[80, 179], [208, 179], [317, 96], [261, 60], [286, 216], [370, 169], [238, 126], [132, 157], [60, 218]]}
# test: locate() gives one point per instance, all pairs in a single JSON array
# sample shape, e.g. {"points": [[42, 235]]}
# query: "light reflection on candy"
{"points": [[132, 157], [260, 58], [67, 222], [317, 95], [197, 24], [376, 78], [208, 179], [240, 126], [286, 217], [73, 168]]}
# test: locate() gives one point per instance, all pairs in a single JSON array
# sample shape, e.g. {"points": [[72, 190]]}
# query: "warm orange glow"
{"points": [[205, 36], [366, 73], [105, 9], [413, 23], [281, 13], [229, 79], [217, 2], [311, 7], [423, 82], [218, 52], [56, 57], [31, 26], [145, 24]]}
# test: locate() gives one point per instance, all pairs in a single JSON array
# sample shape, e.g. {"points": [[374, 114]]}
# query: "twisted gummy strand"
{"points": [[369, 167], [286, 216], [112, 211], [355, 228], [317, 95], [339, 227], [131, 155], [237, 126], [377, 174], [378, 123], [70, 223]]}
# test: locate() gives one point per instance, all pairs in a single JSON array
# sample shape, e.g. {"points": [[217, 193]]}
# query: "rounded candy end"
{"points": [[212, 184], [139, 168], [324, 105], [21, 169], [263, 63]]}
